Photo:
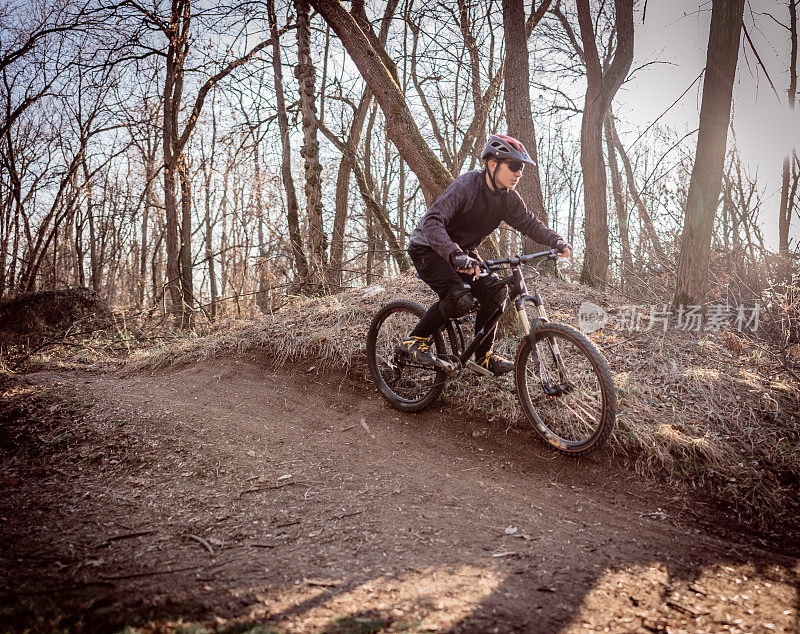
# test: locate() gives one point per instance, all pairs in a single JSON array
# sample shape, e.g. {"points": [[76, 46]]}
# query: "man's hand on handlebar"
{"points": [[464, 263], [564, 249]]}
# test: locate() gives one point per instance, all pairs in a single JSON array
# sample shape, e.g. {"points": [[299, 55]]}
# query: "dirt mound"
{"points": [[27, 321], [709, 407]]}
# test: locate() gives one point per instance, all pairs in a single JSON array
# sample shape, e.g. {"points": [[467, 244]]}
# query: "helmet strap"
{"points": [[497, 190]]}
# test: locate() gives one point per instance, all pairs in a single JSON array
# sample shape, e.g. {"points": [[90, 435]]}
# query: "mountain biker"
{"points": [[442, 247]]}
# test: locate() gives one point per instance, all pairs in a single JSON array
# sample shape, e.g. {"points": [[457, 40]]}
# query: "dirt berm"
{"points": [[233, 495]]}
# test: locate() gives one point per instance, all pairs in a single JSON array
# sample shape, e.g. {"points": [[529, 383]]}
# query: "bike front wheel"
{"points": [[407, 386], [569, 399]]}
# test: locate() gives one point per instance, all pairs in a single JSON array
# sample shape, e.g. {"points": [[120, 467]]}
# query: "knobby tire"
{"points": [[406, 387], [581, 419]]}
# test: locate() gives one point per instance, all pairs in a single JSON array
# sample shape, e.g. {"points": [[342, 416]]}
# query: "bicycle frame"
{"points": [[518, 293]]}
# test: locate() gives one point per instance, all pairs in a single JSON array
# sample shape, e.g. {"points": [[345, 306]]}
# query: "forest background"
{"points": [[193, 159]]}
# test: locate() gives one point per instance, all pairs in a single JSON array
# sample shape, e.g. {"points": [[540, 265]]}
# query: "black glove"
{"points": [[462, 261], [561, 245]]}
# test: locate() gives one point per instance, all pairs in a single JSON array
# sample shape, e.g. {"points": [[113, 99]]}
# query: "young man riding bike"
{"points": [[442, 247]]}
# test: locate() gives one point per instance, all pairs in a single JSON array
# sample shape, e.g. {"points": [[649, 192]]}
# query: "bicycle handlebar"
{"points": [[493, 265]]}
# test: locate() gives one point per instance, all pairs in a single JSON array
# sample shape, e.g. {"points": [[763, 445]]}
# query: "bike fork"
{"points": [[530, 333]]}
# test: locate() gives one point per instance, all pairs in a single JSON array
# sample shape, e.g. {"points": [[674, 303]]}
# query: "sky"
{"points": [[677, 31]]}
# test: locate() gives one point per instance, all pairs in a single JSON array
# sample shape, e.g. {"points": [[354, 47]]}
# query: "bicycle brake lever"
{"points": [[483, 271]]}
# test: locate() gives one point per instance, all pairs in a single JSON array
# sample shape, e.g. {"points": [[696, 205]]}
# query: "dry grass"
{"points": [[708, 408]]}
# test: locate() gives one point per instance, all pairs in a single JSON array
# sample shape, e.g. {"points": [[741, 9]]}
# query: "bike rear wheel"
{"points": [[574, 411], [406, 386]]}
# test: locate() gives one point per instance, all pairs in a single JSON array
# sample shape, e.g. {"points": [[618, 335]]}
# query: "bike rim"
{"points": [[573, 418], [407, 382]]}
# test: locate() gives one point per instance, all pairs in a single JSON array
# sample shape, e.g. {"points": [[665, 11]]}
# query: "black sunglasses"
{"points": [[515, 166]]}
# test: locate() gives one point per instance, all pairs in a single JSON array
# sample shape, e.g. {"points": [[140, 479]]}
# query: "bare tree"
{"points": [[788, 184], [518, 98], [603, 79], [306, 74], [370, 57], [619, 200], [176, 28], [348, 162], [704, 187], [637, 196], [292, 208]]}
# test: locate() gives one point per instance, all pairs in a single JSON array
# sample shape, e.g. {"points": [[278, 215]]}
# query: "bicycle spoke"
{"points": [[571, 412], [585, 411], [596, 399], [407, 386]]}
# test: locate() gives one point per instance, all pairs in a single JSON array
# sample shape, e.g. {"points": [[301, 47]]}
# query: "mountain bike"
{"points": [[563, 383]]}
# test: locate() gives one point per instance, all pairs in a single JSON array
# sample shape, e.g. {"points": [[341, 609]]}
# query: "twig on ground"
{"points": [[149, 574], [343, 515], [272, 486], [116, 538], [203, 542]]}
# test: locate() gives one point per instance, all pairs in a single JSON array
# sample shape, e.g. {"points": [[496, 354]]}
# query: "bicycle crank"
{"points": [[444, 364]]}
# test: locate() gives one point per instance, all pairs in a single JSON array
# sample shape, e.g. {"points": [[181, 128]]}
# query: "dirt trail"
{"points": [[328, 511]]}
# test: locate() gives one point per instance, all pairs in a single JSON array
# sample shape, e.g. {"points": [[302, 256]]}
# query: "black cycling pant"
{"points": [[440, 275]]}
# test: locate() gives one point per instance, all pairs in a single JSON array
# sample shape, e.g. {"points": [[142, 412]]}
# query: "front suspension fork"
{"points": [[530, 332]]}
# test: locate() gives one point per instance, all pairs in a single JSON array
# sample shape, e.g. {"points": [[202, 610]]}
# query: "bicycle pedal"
{"points": [[444, 364], [478, 369]]}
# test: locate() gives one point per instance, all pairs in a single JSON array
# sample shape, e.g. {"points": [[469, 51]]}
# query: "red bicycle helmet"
{"points": [[502, 147]]}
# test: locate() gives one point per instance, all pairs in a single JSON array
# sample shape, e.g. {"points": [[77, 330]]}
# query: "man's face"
{"points": [[507, 174]]}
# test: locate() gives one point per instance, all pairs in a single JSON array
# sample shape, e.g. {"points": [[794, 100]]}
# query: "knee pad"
{"points": [[457, 301]]}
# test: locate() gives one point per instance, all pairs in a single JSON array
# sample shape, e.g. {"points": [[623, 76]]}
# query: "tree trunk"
{"points": [[601, 86], [187, 283], [519, 118], [785, 214], [94, 267], [369, 57], [306, 75], [619, 199], [262, 298], [149, 175], [704, 185], [172, 95], [79, 253], [343, 189], [209, 243], [148, 152], [641, 208], [292, 208], [223, 238], [172, 243], [518, 102]]}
